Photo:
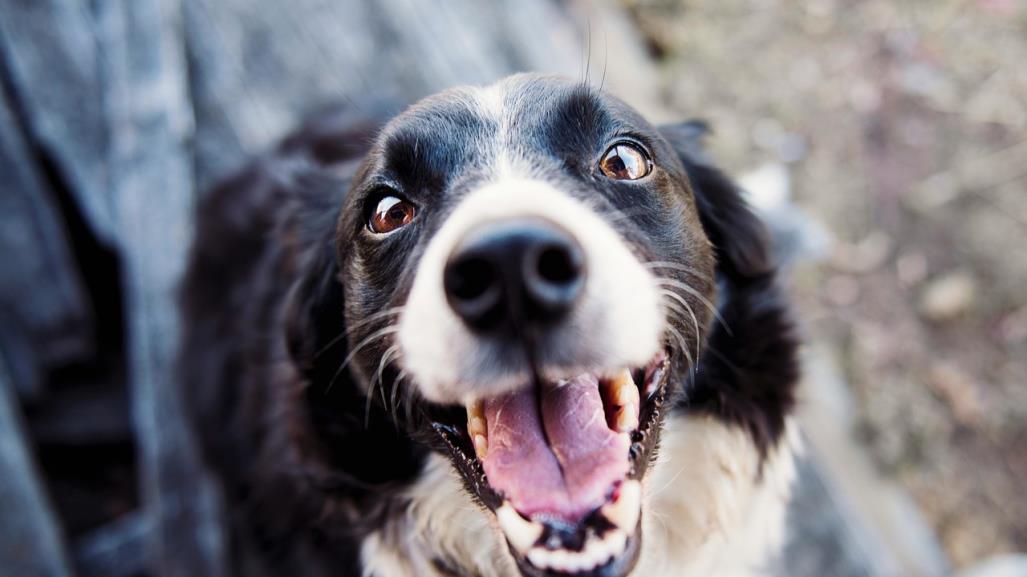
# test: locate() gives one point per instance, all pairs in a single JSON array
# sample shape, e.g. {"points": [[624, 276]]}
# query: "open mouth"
{"points": [[560, 464]]}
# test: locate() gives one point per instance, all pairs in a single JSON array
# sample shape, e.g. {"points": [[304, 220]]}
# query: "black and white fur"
{"points": [[316, 353]]}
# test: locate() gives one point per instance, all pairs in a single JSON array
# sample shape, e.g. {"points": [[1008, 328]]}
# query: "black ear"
{"points": [[741, 240], [748, 371], [314, 323], [352, 433]]}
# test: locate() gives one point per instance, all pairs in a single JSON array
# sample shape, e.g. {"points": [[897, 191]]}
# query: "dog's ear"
{"points": [[314, 323], [739, 237], [747, 373]]}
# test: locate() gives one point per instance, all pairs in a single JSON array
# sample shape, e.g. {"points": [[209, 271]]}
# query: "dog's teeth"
{"points": [[521, 532], [481, 446], [623, 396], [625, 510], [616, 542], [626, 419], [477, 428], [624, 390], [475, 410], [597, 552], [539, 558]]}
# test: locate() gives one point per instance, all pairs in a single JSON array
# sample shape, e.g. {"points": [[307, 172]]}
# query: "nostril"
{"points": [[472, 285], [558, 265], [470, 278], [514, 273], [553, 277]]}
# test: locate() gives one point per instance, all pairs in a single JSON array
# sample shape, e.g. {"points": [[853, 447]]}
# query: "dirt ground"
{"points": [[902, 125]]}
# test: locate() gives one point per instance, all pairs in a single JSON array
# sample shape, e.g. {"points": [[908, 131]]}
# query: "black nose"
{"points": [[518, 272]]}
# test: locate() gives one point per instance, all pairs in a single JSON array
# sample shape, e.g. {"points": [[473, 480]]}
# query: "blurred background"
{"points": [[883, 142]]}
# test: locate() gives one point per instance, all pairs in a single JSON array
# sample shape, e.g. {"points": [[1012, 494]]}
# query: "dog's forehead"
{"points": [[519, 115]]}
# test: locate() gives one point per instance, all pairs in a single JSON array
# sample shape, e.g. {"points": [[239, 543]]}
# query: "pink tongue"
{"points": [[573, 474]]}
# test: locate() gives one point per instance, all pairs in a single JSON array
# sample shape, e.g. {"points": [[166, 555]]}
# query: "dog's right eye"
{"points": [[625, 161], [390, 214]]}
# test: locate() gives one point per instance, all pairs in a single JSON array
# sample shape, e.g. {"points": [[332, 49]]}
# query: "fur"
{"points": [[326, 475]]}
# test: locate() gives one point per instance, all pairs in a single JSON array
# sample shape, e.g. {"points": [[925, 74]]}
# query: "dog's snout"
{"points": [[521, 271]]}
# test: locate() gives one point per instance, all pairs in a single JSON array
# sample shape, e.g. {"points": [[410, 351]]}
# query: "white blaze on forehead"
{"points": [[491, 102], [618, 321], [508, 103]]}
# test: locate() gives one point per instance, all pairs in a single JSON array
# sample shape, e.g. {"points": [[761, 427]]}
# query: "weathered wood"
{"points": [[152, 191], [117, 549], [44, 314], [49, 48], [31, 544], [91, 413], [255, 73]]}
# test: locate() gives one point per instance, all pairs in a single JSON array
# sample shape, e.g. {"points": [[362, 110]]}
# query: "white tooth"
{"points": [[595, 551], [603, 547], [625, 510], [617, 542], [476, 426], [475, 410], [559, 559], [622, 394], [589, 560], [481, 446], [577, 562], [539, 557], [626, 419], [521, 532], [624, 390]]}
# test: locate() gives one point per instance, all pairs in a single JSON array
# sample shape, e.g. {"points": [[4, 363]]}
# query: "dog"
{"points": [[517, 330]]}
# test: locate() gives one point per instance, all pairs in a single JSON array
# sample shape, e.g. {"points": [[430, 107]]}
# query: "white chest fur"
{"points": [[708, 510]]}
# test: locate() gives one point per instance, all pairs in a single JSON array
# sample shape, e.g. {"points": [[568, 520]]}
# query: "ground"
{"points": [[902, 128]]}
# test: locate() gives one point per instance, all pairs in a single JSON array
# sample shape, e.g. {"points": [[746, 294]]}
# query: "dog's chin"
{"points": [[559, 465]]}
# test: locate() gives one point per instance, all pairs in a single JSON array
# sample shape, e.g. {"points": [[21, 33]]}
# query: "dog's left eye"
{"points": [[390, 214], [625, 161]]}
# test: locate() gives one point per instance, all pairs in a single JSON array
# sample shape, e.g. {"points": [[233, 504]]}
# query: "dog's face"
{"points": [[525, 270]]}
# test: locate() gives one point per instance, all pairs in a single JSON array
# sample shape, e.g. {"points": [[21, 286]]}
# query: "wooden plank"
{"points": [[152, 191], [31, 545], [117, 549], [50, 52], [256, 72], [44, 311]]}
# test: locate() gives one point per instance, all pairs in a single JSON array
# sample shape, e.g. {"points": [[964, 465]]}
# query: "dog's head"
{"points": [[527, 278]]}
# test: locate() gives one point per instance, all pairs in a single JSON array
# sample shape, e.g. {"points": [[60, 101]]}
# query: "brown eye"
{"points": [[390, 214], [625, 161]]}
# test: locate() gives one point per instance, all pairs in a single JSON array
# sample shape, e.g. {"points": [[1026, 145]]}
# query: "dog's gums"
{"points": [[561, 463]]}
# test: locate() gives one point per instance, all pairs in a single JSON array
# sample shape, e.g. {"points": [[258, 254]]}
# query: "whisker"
{"points": [[675, 312], [588, 49], [395, 389], [684, 346], [672, 283], [370, 339], [389, 352], [688, 307], [673, 265], [409, 403], [668, 484], [362, 322]]}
